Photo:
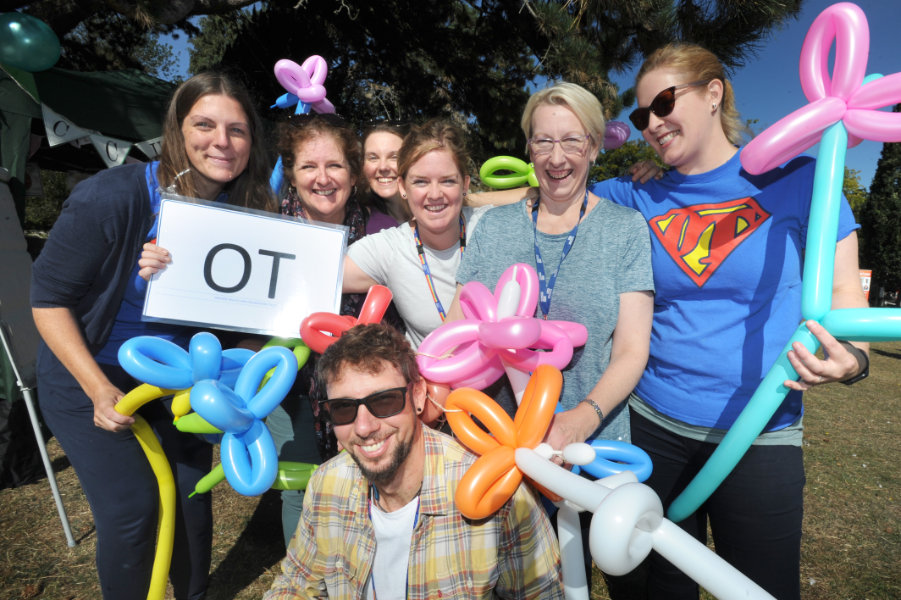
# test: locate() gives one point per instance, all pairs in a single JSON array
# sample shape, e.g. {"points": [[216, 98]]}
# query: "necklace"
{"points": [[420, 249]]}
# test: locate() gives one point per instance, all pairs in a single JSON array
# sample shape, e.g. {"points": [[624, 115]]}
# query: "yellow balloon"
{"points": [[166, 522], [140, 396], [181, 403]]}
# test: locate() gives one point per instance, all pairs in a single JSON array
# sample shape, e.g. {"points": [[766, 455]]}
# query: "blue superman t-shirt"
{"points": [[726, 248]]}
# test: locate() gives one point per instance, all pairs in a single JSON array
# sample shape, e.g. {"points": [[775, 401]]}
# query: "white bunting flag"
{"points": [[60, 129]]}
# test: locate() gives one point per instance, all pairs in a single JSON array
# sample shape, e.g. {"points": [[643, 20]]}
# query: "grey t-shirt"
{"points": [[611, 255]]}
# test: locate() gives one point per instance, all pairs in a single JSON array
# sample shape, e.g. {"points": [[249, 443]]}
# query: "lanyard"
{"points": [[546, 286], [425, 265], [153, 188]]}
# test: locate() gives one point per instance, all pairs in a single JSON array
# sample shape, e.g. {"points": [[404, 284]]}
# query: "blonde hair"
{"points": [[583, 103], [699, 64]]}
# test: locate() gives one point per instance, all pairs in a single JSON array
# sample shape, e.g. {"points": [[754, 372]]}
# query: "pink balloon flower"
{"points": [[844, 97], [499, 334], [305, 81]]}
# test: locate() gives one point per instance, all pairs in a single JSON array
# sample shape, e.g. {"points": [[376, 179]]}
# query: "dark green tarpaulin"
{"points": [[127, 105]]}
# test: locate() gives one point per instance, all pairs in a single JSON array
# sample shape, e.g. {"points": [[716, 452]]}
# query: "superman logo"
{"points": [[700, 237]]}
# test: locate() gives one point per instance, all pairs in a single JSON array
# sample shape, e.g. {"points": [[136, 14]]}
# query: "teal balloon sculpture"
{"points": [[841, 113]]}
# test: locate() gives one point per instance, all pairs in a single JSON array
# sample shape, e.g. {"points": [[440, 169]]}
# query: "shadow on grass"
{"points": [[60, 464], [895, 355], [259, 547]]}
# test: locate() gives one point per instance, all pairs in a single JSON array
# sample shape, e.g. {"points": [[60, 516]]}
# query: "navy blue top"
{"points": [[90, 258]]}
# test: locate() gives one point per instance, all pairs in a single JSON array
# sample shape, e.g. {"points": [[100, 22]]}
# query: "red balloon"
{"points": [[321, 329]]}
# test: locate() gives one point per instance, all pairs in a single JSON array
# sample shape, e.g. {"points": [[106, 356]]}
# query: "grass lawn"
{"points": [[851, 546]]}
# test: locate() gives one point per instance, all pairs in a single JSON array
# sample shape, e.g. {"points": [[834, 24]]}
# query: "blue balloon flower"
{"points": [[166, 365], [248, 453]]}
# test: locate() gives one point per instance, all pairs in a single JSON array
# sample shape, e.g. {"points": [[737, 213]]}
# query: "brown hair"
{"points": [[251, 187], [299, 129], [367, 348], [436, 134], [699, 64], [398, 129], [372, 200]]}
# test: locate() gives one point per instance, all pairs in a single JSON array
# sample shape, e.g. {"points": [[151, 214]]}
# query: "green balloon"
{"points": [[293, 475], [517, 173], [194, 423], [209, 481], [27, 43]]}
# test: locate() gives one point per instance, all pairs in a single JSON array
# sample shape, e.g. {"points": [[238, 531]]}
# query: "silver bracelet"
{"points": [[597, 409]]}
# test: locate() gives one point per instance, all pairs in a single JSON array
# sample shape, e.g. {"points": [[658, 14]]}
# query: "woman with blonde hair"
{"points": [[592, 259], [727, 250]]}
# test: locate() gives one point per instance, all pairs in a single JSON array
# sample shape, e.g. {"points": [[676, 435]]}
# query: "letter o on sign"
{"points": [[208, 268]]}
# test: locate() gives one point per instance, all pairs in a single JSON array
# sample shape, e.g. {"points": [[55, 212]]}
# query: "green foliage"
{"points": [[880, 220], [399, 59], [41, 211], [854, 192], [587, 39], [474, 62], [157, 59], [613, 163], [95, 36]]}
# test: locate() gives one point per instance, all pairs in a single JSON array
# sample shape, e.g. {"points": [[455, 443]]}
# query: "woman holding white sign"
{"points": [[322, 162], [87, 300]]}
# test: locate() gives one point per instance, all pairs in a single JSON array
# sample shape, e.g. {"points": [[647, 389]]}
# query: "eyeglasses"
{"points": [[574, 144], [383, 404], [662, 105]]}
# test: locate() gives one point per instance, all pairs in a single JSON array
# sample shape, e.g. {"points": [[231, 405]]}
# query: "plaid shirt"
{"points": [[513, 554]]}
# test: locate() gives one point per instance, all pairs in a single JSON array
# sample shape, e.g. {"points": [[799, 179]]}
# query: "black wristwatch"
{"points": [[863, 362]]}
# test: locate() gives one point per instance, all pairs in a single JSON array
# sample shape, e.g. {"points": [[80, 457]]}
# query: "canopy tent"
{"points": [[69, 121]]}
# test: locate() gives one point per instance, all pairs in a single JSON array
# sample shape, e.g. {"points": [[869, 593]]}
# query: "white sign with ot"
{"points": [[243, 269]]}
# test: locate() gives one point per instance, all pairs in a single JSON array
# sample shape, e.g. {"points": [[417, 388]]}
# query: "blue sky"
{"points": [[769, 87]]}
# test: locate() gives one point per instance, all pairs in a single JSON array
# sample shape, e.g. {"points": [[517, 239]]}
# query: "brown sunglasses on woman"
{"points": [[662, 105]]}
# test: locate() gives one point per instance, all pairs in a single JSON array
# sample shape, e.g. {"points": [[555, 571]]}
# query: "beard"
{"points": [[387, 473]]}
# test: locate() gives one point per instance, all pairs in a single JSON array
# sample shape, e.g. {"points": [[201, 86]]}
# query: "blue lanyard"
{"points": [[153, 188], [546, 286]]}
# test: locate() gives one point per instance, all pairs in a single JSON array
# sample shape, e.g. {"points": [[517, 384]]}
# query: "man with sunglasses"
{"points": [[379, 519]]}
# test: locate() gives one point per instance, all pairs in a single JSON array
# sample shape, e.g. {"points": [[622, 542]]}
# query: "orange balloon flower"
{"points": [[494, 477]]}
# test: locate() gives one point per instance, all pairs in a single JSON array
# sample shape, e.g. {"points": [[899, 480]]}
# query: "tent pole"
{"points": [[39, 436]]}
